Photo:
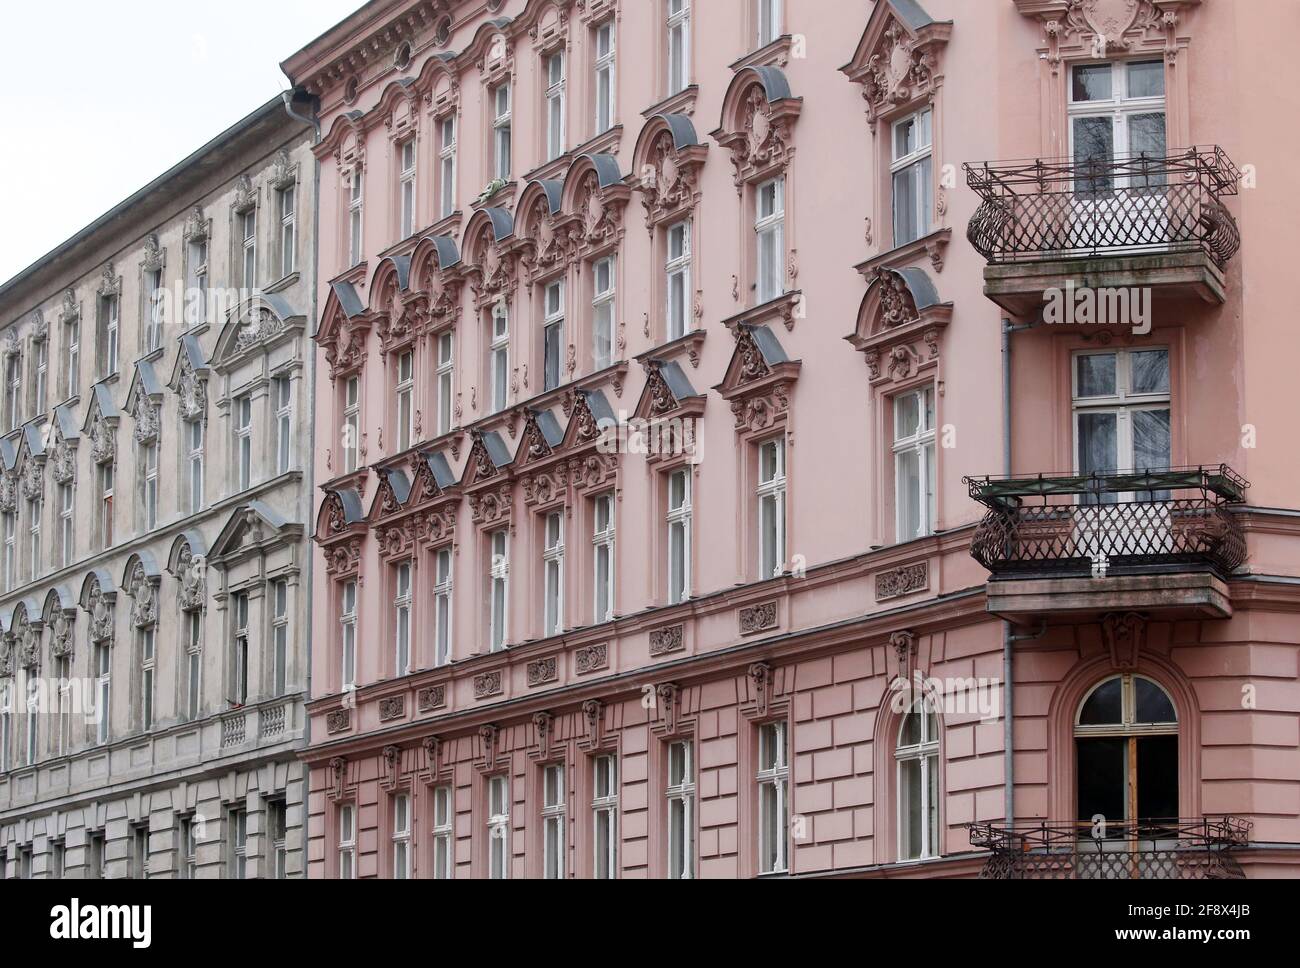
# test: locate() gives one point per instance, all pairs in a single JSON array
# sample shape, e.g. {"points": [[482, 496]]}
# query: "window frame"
{"points": [[603, 540], [679, 521], [770, 226], [603, 311], [554, 816], [923, 444], [681, 847], [777, 778], [605, 806], [678, 33], [915, 160], [604, 78], [502, 131], [772, 492], [926, 752]]}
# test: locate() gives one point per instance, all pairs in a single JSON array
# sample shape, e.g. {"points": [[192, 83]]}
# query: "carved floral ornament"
{"points": [[191, 391], [32, 478], [8, 491], [147, 422], [1101, 26], [100, 606], [759, 380], [900, 324], [669, 178], [62, 622], [191, 572], [63, 457], [103, 441], [896, 64], [757, 130], [144, 597], [259, 325]]}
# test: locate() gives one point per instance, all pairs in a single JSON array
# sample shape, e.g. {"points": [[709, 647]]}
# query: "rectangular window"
{"points": [[153, 308], [498, 825], [348, 624], [681, 810], [148, 661], [602, 540], [501, 132], [771, 509], [244, 440], [445, 375], [678, 270], [42, 374], [13, 391], [443, 836], [150, 486], [105, 505], [280, 636], [103, 658], [237, 861], [1121, 407], [33, 722], [769, 21], [140, 852], [356, 211], [914, 464], [277, 823], [6, 740], [604, 815], [194, 463], [679, 45], [555, 105], [553, 335], [447, 165], [193, 663], [407, 177], [58, 860], [773, 781], [351, 424], [911, 169], [554, 867], [288, 203], [347, 842], [37, 511], [1117, 110], [189, 849], [97, 856], [112, 330], [74, 359], [442, 607], [498, 578], [405, 400], [248, 237], [604, 77], [66, 549], [401, 837], [553, 572], [679, 536], [402, 619], [196, 267], [499, 356], [602, 313], [769, 226], [282, 398], [239, 648], [11, 550]]}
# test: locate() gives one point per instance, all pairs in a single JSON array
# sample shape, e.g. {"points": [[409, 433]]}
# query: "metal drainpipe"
{"points": [[312, 119], [1008, 637]]}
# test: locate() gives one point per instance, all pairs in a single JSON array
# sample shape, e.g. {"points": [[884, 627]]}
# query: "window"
{"points": [[42, 374], [153, 306], [280, 636], [239, 642], [248, 243], [401, 837], [911, 169], [407, 177], [58, 860], [773, 782], [105, 473], [1126, 742], [148, 661], [288, 204], [1122, 413], [356, 208], [36, 511], [554, 866], [63, 705], [347, 842], [501, 132], [769, 225], [13, 390], [553, 571], [97, 856], [277, 822], [602, 540], [681, 810], [443, 818], [348, 623], [150, 486], [193, 663], [553, 335], [445, 375], [103, 657], [679, 45], [769, 21], [498, 576], [555, 105], [237, 860], [6, 738], [33, 721], [604, 77], [447, 165], [498, 828], [499, 356], [194, 463], [351, 424], [678, 270], [282, 397], [189, 848], [602, 313], [679, 536], [914, 464], [1116, 110], [140, 851], [771, 509], [66, 549], [405, 400], [442, 607], [74, 359], [918, 783], [11, 550], [604, 815], [402, 619], [196, 262], [112, 320], [244, 440]]}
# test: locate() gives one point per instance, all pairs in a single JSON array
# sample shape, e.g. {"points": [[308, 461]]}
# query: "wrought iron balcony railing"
{"points": [[1055, 208], [1127, 850], [1146, 521]]}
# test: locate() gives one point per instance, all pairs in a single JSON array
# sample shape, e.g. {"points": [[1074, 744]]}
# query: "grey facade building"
{"points": [[155, 486]]}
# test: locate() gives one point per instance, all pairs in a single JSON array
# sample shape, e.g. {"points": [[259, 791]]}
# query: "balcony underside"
{"points": [[1021, 287], [1086, 864], [1063, 601]]}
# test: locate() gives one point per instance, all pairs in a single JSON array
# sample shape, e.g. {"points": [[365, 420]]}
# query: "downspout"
{"points": [[1008, 636], [291, 99]]}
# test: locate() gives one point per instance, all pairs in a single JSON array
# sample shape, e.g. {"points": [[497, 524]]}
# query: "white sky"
{"points": [[122, 90]]}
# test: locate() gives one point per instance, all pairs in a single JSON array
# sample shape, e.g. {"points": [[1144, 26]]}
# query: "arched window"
{"points": [[917, 754], [1126, 744]]}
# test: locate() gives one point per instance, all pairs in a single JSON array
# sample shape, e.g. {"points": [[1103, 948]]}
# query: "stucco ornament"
{"points": [[62, 643], [6, 656], [259, 326], [12, 346], [765, 141], [191, 392], [144, 599], [101, 616], [8, 492], [64, 461], [146, 420], [33, 479], [103, 442], [193, 579], [896, 304], [29, 646]]}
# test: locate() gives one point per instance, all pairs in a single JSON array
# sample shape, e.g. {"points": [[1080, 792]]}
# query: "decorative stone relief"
{"points": [[431, 698], [758, 618], [543, 671], [591, 658], [666, 641], [906, 580]]}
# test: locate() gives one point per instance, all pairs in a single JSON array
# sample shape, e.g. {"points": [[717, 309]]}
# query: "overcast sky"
{"points": [[115, 92]]}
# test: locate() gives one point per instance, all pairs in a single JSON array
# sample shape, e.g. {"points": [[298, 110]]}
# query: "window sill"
{"points": [[776, 54], [281, 284], [933, 245], [683, 102]]}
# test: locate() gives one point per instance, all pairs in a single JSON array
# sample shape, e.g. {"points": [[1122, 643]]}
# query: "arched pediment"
{"points": [[141, 565], [187, 563], [399, 311], [489, 256], [492, 47], [759, 112], [189, 380], [595, 196], [345, 141], [435, 273], [399, 104], [900, 323], [341, 511], [667, 162], [759, 379], [255, 325], [344, 330], [540, 221], [98, 600]]}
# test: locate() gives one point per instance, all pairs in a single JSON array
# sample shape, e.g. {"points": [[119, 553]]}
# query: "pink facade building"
{"points": [[714, 419]]}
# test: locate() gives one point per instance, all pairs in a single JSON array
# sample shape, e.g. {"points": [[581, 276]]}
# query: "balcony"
{"points": [[1122, 223], [1164, 850], [1070, 547]]}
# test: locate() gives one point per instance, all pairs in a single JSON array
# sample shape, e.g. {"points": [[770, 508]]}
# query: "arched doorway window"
{"points": [[917, 754], [1126, 747]]}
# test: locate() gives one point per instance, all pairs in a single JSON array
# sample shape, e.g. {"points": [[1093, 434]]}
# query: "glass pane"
{"points": [[1150, 439], [908, 494], [1150, 371], [1092, 82], [1097, 442], [1102, 778], [552, 849], [1157, 769], [1105, 706], [909, 806], [907, 416], [1153, 704], [1146, 79], [905, 207], [1146, 136], [910, 733], [1096, 375], [932, 805], [768, 826], [1094, 150]]}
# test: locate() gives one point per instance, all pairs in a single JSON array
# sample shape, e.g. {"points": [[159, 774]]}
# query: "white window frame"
{"points": [[13, 390], [148, 663], [554, 822], [402, 837], [442, 603], [239, 640], [348, 642], [680, 794], [1123, 403], [408, 166], [769, 232], [248, 247], [769, 22], [279, 636], [604, 811], [445, 374], [150, 465], [112, 333], [447, 164], [242, 412], [287, 202], [499, 589], [677, 276], [282, 398], [189, 849], [74, 359], [773, 774], [444, 841], [678, 47], [556, 108], [195, 433], [679, 529], [403, 573], [238, 820], [502, 147], [347, 842], [498, 828], [603, 543], [913, 163], [920, 442], [67, 535], [36, 510], [926, 752], [499, 356], [193, 665], [405, 382], [11, 549], [277, 822], [602, 311], [356, 218], [553, 573], [107, 479], [1120, 108], [42, 374], [102, 656], [605, 78], [553, 303], [771, 495], [351, 423]]}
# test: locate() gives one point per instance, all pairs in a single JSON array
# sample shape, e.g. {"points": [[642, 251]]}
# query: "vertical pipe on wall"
{"points": [[1008, 637]]}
